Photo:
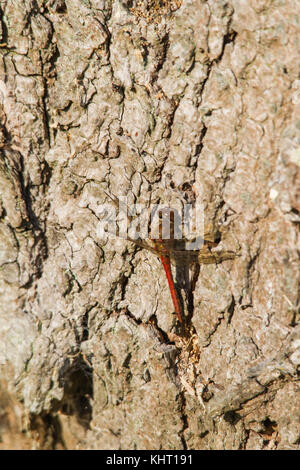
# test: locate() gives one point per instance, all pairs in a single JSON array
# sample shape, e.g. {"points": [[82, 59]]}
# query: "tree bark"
{"points": [[158, 101]]}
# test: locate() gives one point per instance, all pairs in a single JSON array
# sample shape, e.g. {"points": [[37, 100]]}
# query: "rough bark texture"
{"points": [[148, 99]]}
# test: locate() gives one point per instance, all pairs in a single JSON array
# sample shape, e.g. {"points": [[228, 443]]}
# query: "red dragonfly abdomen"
{"points": [[176, 301]]}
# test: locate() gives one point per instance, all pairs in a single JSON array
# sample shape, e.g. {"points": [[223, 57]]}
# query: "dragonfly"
{"points": [[168, 253]]}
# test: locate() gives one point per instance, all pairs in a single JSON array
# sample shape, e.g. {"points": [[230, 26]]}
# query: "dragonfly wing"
{"points": [[203, 256], [215, 257], [143, 244], [183, 257]]}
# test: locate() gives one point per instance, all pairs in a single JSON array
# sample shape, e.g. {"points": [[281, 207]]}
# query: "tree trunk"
{"points": [[159, 101]]}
